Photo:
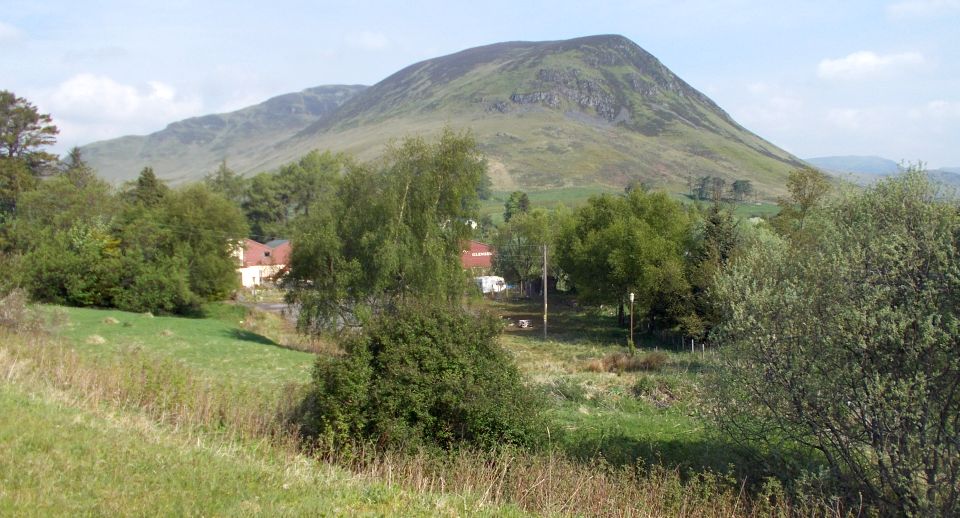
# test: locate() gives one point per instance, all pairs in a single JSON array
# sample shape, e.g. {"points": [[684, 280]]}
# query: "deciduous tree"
{"points": [[848, 344]]}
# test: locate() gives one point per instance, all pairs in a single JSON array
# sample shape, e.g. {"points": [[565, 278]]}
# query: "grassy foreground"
{"points": [[70, 449], [115, 429]]}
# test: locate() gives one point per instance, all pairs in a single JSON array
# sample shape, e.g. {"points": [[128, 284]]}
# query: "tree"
{"points": [[265, 206], [808, 188], [847, 344], [519, 244], [15, 179], [76, 169], [391, 230], [618, 244], [206, 230], [716, 240], [147, 190], [227, 182], [24, 130], [423, 375], [741, 189], [517, 203]]}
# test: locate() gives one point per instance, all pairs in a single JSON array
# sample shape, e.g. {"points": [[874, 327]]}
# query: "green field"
{"points": [[167, 415], [593, 413], [62, 459], [215, 345]]}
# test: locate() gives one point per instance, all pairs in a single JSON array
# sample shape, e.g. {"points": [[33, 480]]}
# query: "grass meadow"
{"points": [[191, 416]]}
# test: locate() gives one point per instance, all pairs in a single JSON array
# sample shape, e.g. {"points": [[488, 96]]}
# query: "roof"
{"points": [[277, 242], [273, 253]]}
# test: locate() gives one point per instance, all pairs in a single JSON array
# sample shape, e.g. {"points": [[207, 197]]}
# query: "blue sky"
{"points": [[814, 77]]}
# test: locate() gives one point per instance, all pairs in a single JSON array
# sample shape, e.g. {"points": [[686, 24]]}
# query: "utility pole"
{"points": [[544, 291], [632, 347]]}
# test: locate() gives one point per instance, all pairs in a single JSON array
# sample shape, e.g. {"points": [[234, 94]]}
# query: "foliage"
{"points": [[426, 374], [15, 179], [716, 240], [272, 201], [205, 231], [390, 230], [634, 243], [517, 203], [808, 188], [227, 183], [23, 131], [846, 343], [741, 189], [149, 249], [147, 190], [519, 244]]}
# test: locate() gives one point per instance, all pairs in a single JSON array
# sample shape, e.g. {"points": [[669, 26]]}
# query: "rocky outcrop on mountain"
{"points": [[568, 84]]}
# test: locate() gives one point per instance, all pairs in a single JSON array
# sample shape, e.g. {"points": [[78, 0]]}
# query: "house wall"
{"points": [[477, 255], [251, 276]]}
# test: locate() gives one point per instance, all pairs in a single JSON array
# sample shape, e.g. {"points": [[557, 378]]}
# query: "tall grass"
{"points": [[544, 483], [162, 388]]}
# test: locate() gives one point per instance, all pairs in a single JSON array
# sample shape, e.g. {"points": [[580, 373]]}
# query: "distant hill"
{"points": [[864, 170], [870, 165], [190, 148], [949, 176], [590, 111]]}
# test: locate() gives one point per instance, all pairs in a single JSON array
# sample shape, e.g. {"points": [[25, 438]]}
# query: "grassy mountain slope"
{"points": [[188, 149], [593, 111]]}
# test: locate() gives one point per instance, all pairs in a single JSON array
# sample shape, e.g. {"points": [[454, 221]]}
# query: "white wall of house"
{"points": [[251, 276]]}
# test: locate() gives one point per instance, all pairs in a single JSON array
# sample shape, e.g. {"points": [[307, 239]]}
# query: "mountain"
{"points": [[177, 150], [597, 110], [948, 176], [869, 165]]}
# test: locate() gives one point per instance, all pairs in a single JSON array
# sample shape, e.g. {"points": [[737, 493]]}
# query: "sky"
{"points": [[817, 78]]}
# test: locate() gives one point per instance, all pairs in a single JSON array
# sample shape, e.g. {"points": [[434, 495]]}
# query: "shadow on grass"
{"points": [[247, 336]]}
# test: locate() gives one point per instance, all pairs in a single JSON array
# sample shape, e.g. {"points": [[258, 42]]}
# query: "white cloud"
{"points": [[771, 106], [937, 109], [847, 118], [368, 40], [9, 33], [90, 107], [922, 8], [866, 63]]}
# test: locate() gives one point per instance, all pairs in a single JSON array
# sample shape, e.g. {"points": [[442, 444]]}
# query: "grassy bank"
{"points": [[72, 448], [626, 443]]}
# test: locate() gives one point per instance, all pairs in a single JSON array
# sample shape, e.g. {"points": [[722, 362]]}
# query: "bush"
{"points": [[16, 314], [623, 362], [845, 341], [422, 375]]}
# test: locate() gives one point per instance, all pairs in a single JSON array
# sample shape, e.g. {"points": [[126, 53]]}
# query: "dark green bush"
{"points": [[423, 375]]}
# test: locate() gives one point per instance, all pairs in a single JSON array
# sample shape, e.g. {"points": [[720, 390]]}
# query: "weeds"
{"points": [[620, 362]]}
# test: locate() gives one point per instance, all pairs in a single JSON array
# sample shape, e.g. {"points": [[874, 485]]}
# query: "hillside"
{"points": [[190, 148], [868, 165], [590, 111]]}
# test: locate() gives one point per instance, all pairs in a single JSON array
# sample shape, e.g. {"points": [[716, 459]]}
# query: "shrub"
{"points": [[422, 374], [623, 362], [845, 341], [653, 361], [16, 314]]}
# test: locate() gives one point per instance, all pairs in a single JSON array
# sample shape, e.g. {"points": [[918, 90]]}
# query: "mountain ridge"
{"points": [[596, 110]]}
